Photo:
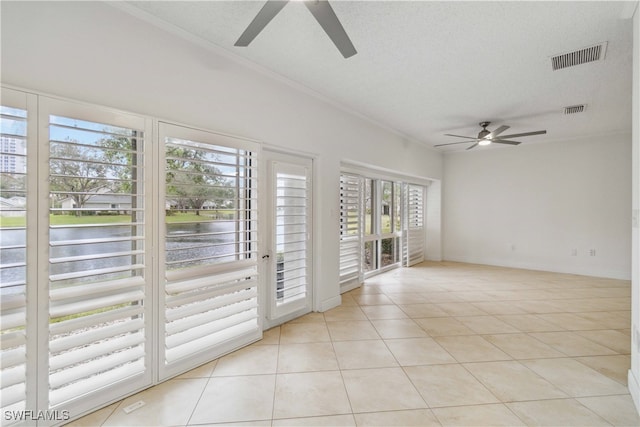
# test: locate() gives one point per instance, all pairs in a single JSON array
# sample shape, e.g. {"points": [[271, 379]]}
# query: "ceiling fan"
{"points": [[486, 137], [320, 9]]}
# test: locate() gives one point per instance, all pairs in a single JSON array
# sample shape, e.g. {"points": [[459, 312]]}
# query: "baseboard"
{"points": [[634, 389], [330, 303]]}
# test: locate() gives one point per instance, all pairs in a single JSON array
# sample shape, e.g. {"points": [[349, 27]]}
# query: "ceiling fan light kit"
{"points": [[487, 137]]}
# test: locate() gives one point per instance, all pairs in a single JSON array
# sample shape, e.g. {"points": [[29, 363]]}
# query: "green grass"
{"points": [[20, 221]]}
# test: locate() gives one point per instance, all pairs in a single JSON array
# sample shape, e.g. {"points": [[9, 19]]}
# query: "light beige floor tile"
{"points": [[298, 333], [329, 421], [344, 313], [618, 410], [449, 385], [398, 328], [522, 346], [560, 412], [472, 348], [270, 337], [486, 325], [511, 381], [498, 307], [419, 351], [441, 297], [363, 354], [309, 318], [461, 309], [260, 423], [477, 415], [615, 367], [95, 418], [383, 312], [574, 378], [384, 389], [410, 418], [307, 357], [204, 371], [349, 330], [251, 360], [407, 298], [372, 299], [572, 344], [422, 310], [235, 399], [310, 394], [170, 403], [570, 321], [530, 323], [348, 301], [443, 326], [615, 340], [607, 319]]}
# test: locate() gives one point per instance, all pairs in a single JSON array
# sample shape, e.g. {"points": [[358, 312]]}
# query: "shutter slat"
{"points": [[92, 335], [95, 350]]}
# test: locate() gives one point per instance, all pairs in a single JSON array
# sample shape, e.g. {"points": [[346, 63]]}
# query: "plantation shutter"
{"points": [[14, 272], [415, 230], [351, 230], [291, 237], [210, 293], [98, 271]]}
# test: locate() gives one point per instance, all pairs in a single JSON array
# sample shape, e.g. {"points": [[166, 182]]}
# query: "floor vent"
{"points": [[575, 109], [581, 56]]}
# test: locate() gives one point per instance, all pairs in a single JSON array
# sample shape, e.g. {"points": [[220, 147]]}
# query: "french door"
{"points": [[287, 256]]}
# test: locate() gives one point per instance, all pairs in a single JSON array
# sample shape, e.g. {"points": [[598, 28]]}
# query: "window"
{"points": [[13, 250], [392, 220], [98, 261], [78, 252], [210, 298], [351, 229]]}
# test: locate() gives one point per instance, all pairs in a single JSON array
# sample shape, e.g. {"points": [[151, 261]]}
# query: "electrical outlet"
{"points": [[592, 252], [574, 252], [635, 218], [513, 248]]}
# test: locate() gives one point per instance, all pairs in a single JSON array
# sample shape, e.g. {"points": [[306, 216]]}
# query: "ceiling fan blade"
{"points": [[516, 135], [497, 132], [460, 136], [504, 141], [326, 17], [473, 146], [453, 143], [266, 14]]}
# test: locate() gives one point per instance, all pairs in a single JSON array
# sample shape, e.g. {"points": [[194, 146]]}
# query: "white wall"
{"points": [[530, 206], [96, 53], [634, 372]]}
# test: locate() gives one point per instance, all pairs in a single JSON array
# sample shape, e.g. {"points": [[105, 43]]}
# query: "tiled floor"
{"points": [[438, 344]]}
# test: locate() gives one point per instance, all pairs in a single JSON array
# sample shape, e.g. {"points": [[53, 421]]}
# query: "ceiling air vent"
{"points": [[581, 56], [574, 109]]}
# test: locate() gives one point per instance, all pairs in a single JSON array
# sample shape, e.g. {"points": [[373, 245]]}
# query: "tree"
{"points": [[75, 173], [192, 181]]}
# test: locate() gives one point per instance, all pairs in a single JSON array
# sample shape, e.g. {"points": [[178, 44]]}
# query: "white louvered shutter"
{"points": [[351, 229], [415, 230], [210, 293], [14, 274], [98, 271]]}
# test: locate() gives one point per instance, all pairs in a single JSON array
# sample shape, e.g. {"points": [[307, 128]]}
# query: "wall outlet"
{"points": [[513, 248], [592, 252], [574, 252]]}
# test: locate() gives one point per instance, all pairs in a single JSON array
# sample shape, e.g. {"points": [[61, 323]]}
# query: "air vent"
{"points": [[574, 109], [582, 56]]}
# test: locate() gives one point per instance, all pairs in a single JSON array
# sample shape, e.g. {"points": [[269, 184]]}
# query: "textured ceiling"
{"points": [[427, 68]]}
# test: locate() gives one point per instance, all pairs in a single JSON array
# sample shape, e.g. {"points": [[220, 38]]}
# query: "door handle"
{"points": [[265, 256]]}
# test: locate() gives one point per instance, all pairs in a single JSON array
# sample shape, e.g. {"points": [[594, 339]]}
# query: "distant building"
{"points": [[12, 152]]}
